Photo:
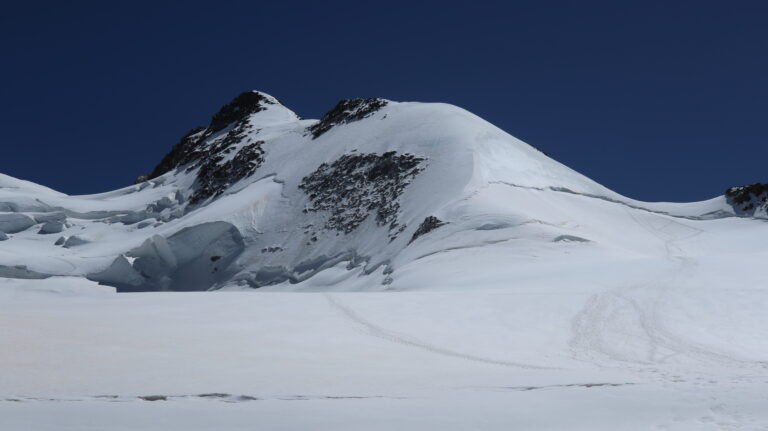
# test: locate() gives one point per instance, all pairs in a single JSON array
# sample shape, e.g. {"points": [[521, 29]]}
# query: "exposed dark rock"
{"points": [[274, 249], [196, 151], [60, 241], [3, 236], [428, 225], [191, 149], [242, 106], [214, 177], [209, 150], [180, 155], [346, 111], [748, 200], [357, 185], [154, 398]]}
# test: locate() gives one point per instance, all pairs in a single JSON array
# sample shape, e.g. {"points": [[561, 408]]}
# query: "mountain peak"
{"points": [[379, 188], [248, 110], [246, 103]]}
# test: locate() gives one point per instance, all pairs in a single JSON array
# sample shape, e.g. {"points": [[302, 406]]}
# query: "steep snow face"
{"points": [[376, 189]]}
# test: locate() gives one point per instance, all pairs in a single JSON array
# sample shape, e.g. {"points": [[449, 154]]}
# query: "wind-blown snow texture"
{"points": [[502, 290]]}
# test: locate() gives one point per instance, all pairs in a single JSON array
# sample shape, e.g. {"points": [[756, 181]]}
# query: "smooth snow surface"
{"points": [[531, 359], [543, 300]]}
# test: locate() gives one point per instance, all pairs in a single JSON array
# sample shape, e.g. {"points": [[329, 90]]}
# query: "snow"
{"points": [[545, 301], [412, 360], [12, 289], [465, 157], [13, 223]]}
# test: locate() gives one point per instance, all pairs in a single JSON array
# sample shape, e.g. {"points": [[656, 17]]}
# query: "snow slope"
{"points": [[453, 277], [304, 195]]}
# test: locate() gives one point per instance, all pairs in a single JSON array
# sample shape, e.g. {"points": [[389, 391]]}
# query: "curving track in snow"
{"points": [[374, 330], [627, 324]]}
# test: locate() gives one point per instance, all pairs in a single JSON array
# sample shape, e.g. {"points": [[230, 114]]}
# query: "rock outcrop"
{"points": [[429, 224], [346, 111], [751, 200], [358, 185]]}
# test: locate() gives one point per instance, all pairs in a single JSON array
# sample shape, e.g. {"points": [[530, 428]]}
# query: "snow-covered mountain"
{"points": [[376, 192], [457, 279]]}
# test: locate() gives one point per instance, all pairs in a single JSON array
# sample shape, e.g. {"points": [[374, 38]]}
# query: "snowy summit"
{"points": [[494, 278], [376, 191]]}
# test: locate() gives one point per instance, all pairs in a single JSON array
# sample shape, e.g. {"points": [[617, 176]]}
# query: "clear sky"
{"points": [[658, 100]]}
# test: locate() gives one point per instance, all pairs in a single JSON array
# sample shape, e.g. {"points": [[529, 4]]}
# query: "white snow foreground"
{"points": [[453, 277]]}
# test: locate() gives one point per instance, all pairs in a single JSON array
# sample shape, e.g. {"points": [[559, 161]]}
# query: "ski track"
{"points": [[606, 312], [374, 330]]}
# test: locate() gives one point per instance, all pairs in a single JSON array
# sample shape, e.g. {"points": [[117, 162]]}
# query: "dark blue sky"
{"points": [[658, 100]]}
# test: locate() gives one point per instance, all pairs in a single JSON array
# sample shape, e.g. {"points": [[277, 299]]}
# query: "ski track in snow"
{"points": [[377, 331], [603, 313]]}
